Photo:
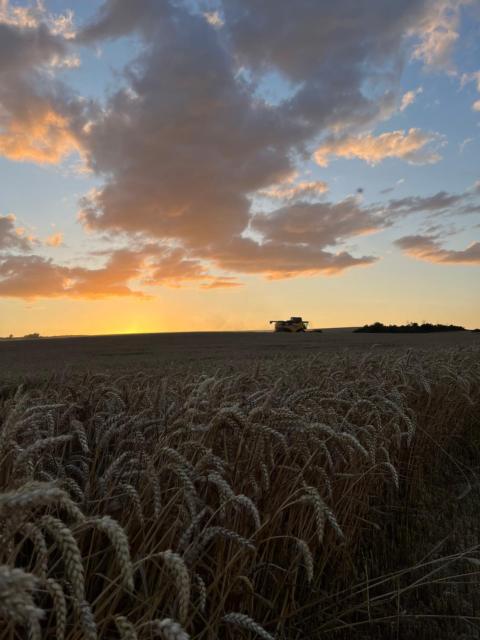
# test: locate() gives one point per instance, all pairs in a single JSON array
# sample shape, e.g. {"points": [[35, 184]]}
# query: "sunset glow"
{"points": [[206, 165]]}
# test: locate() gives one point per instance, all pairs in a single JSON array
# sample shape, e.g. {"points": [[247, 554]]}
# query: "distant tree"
{"points": [[411, 327], [32, 335]]}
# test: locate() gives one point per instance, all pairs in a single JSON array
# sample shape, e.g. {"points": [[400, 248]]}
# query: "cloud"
{"points": [[186, 143], [441, 203], [429, 249], [41, 136], [390, 189], [318, 224], [276, 260], [214, 18], [55, 240], [439, 30], [33, 276], [226, 282], [303, 189], [465, 142], [34, 118], [172, 267], [413, 146], [11, 237], [475, 78], [409, 98]]}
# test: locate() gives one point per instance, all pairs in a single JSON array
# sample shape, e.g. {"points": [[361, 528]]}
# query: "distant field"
{"points": [[147, 351]]}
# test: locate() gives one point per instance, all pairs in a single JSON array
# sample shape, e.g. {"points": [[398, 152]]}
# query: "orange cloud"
{"points": [[221, 283], [427, 248], [35, 109], [439, 31], [55, 240], [42, 137], [301, 190], [31, 277], [412, 146]]}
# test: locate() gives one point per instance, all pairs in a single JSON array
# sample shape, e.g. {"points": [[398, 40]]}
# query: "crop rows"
{"points": [[217, 505]]}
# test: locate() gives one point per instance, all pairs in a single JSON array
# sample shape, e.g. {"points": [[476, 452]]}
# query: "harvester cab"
{"points": [[294, 325]]}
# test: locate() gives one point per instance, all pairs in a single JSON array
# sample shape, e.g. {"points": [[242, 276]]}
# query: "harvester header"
{"points": [[294, 325]]}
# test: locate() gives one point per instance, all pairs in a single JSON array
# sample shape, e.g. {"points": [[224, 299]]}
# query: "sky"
{"points": [[176, 165]]}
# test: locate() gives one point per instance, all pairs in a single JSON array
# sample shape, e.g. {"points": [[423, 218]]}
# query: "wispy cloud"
{"points": [[413, 146], [430, 249], [409, 98], [55, 240], [303, 189], [464, 143]]}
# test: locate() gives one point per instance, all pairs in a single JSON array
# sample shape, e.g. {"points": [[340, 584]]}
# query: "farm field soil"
{"points": [[194, 350]]}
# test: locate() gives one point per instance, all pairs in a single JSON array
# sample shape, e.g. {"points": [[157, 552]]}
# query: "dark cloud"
{"points": [[23, 48], [439, 204], [117, 18], [344, 58], [440, 201], [12, 238], [320, 224], [186, 145], [277, 260], [322, 37]]}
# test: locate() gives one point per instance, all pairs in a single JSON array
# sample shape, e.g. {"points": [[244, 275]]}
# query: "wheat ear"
{"points": [[244, 621], [119, 540], [125, 628], [59, 605], [16, 600], [70, 552], [169, 629], [179, 569]]}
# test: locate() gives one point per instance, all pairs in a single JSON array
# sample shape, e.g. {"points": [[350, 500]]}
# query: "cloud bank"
{"points": [[189, 141]]}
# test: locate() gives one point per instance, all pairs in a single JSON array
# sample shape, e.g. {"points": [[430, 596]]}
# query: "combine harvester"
{"points": [[294, 325]]}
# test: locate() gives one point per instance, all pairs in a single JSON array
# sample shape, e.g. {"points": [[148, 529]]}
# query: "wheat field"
{"points": [[221, 503]]}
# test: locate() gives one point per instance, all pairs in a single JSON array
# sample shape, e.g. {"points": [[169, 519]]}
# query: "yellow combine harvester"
{"points": [[294, 325]]}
